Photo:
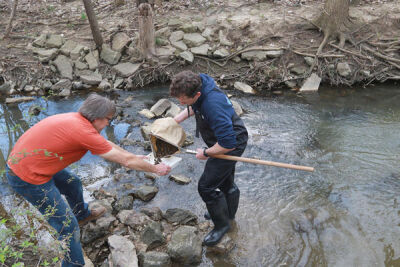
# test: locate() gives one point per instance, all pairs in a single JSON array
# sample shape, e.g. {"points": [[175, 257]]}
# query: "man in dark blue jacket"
{"points": [[224, 133]]}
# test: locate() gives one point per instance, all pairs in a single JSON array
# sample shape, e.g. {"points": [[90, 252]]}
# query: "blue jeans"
{"points": [[62, 217]]}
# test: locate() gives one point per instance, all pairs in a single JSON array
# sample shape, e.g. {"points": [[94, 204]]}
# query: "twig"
{"points": [[382, 56], [311, 55], [349, 52]]}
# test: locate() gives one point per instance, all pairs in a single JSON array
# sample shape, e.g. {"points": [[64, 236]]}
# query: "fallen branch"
{"points": [[349, 52], [12, 15], [389, 59], [322, 55]]}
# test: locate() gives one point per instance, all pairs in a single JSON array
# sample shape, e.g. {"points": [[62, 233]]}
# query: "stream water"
{"points": [[346, 213]]}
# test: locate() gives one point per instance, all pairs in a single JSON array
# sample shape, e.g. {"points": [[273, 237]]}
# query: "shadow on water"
{"points": [[346, 213]]}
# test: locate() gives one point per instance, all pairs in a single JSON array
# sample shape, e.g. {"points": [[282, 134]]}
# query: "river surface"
{"points": [[346, 213]]}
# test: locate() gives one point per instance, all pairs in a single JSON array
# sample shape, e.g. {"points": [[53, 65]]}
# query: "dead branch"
{"points": [[349, 52], [12, 15]]}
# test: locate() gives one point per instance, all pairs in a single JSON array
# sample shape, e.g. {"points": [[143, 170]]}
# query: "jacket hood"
{"points": [[207, 83]]}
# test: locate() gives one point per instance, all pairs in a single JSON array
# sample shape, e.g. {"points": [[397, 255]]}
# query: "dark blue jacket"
{"points": [[217, 111]]}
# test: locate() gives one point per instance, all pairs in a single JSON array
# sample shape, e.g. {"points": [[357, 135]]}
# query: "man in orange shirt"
{"points": [[36, 167]]}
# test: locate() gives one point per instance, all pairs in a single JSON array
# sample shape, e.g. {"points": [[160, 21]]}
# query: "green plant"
{"points": [[50, 8], [18, 245], [83, 15]]}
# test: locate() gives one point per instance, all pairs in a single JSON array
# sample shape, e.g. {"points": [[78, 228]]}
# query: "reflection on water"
{"points": [[346, 213]]}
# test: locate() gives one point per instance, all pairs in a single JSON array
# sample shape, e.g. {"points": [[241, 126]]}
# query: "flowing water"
{"points": [[346, 213]]}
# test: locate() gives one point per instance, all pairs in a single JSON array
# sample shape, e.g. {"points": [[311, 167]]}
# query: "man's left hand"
{"points": [[200, 154]]}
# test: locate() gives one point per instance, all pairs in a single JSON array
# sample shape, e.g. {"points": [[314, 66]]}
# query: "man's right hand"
{"points": [[162, 169]]}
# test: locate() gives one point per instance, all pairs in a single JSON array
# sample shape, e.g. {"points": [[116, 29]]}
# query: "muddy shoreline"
{"points": [[267, 46]]}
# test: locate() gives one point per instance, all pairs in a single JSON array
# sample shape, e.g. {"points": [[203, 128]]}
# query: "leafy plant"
{"points": [[83, 15]]}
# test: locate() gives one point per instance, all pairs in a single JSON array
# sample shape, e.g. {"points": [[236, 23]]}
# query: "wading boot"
{"points": [[232, 199], [218, 210]]}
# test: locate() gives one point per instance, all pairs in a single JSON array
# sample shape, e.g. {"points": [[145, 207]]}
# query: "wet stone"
{"points": [[180, 216], [180, 179], [160, 107], [152, 235], [146, 192], [155, 258], [124, 203], [154, 213]]}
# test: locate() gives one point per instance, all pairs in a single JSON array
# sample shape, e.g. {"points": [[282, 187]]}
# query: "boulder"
{"points": [[64, 66], [155, 259], [61, 85], [40, 41], [109, 56], [133, 219], [161, 106], [311, 84], [122, 252], [223, 39], [185, 246], [147, 113], [193, 39], [176, 36], [179, 45], [119, 41], [54, 41], [245, 88], [187, 56], [126, 69], [173, 111], [165, 51], [92, 61], [221, 53], [123, 203], [68, 47], [45, 55], [180, 216], [201, 50], [93, 78], [180, 179], [154, 213], [146, 192], [236, 106], [77, 52], [152, 235], [343, 69], [97, 229]]}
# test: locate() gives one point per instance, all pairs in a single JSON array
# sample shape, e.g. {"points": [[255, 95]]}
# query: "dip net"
{"points": [[166, 137]]}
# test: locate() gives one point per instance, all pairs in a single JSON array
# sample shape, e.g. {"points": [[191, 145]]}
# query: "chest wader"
{"points": [[221, 204]]}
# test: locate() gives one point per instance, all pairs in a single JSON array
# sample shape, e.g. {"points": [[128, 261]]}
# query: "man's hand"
{"points": [[200, 154], [162, 169]]}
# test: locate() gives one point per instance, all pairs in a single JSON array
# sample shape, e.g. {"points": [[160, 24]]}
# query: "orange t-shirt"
{"points": [[52, 144]]}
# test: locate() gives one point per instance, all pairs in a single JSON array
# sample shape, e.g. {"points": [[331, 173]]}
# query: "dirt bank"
{"points": [[268, 45]]}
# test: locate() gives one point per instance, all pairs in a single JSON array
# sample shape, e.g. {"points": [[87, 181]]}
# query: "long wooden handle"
{"points": [[265, 162]]}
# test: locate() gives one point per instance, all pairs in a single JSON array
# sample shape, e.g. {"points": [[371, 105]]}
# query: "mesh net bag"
{"points": [[166, 136]]}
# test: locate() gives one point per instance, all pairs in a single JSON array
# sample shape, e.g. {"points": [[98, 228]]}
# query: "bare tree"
{"points": [[94, 26], [146, 31], [12, 15], [333, 21]]}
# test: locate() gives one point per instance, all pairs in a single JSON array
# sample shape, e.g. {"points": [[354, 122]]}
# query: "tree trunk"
{"points": [[94, 26], [12, 15], [146, 31], [332, 21]]}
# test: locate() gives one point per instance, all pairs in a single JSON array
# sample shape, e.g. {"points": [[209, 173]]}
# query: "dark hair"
{"points": [[185, 83], [97, 107]]}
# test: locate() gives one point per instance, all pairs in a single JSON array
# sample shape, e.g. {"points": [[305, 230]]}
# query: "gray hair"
{"points": [[97, 107]]}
